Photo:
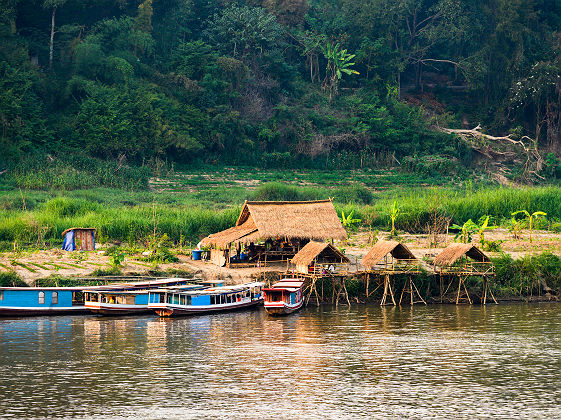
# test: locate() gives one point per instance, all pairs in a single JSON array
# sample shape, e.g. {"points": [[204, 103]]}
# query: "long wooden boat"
{"points": [[124, 302], [175, 302], [28, 301], [284, 297]]}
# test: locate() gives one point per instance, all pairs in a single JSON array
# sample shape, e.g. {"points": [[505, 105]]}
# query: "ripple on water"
{"points": [[438, 361]]}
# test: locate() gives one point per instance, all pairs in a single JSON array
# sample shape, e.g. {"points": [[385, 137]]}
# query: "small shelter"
{"points": [[274, 231], [319, 258], [464, 260], [84, 237], [389, 258]]}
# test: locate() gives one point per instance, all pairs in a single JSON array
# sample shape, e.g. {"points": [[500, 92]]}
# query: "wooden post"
{"points": [[387, 288], [411, 289], [461, 282]]}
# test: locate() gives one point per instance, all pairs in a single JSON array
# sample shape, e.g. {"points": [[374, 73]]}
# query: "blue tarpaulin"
{"points": [[69, 244]]}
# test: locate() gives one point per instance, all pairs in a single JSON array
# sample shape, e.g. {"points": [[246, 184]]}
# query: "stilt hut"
{"points": [[269, 231], [322, 261], [387, 259], [81, 238], [464, 261], [320, 258]]}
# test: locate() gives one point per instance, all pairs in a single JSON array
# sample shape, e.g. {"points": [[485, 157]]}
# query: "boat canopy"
{"points": [[211, 291]]}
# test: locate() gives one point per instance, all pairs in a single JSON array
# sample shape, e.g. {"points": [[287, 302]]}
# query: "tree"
{"points": [[245, 32], [52, 5], [338, 62]]}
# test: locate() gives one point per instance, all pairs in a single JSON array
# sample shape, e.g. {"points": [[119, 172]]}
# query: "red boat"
{"points": [[284, 297]]}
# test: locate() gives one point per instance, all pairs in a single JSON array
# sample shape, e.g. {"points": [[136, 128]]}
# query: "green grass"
{"points": [[195, 204], [40, 266], [22, 265]]}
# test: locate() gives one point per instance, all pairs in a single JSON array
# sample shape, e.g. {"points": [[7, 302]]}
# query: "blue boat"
{"points": [[173, 301], [25, 301], [124, 302], [17, 301]]}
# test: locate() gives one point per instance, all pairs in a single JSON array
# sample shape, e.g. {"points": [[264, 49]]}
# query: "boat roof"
{"points": [[284, 284], [282, 289], [110, 286], [210, 281], [142, 291], [213, 290]]}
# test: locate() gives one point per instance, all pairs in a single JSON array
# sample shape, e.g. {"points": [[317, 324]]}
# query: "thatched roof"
{"points": [[76, 228], [222, 239], [315, 249], [383, 248], [313, 220], [453, 252]]}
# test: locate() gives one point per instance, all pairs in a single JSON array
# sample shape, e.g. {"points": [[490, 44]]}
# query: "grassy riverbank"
{"points": [[188, 206]]}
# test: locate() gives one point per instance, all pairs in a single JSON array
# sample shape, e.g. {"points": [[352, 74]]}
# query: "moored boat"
{"points": [[175, 302], [29, 301], [26, 301], [124, 302], [284, 297]]}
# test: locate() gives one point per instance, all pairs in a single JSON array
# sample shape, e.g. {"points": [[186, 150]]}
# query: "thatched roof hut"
{"points": [[382, 249], [319, 251], [454, 252], [262, 220]]}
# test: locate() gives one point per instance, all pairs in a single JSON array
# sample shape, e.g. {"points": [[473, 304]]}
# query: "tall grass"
{"points": [[418, 206], [129, 216], [78, 172], [276, 191]]}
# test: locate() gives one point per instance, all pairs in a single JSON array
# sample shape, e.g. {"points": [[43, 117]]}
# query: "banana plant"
{"points": [[465, 231], [529, 218], [482, 227], [348, 221], [339, 62]]}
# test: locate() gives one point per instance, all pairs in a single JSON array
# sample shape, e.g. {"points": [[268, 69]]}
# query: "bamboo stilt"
{"points": [[387, 288], [410, 288], [461, 282]]}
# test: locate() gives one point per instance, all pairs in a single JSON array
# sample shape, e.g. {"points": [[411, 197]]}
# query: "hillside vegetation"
{"points": [[326, 84]]}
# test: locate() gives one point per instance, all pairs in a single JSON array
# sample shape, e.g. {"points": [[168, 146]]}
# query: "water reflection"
{"points": [[440, 361]]}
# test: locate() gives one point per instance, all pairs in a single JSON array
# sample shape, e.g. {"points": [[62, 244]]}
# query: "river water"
{"points": [[358, 362]]}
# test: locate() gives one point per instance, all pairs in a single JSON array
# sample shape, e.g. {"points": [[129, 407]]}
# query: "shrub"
{"points": [[357, 194], [11, 279]]}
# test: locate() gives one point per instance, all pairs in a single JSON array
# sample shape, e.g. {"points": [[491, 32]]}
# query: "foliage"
{"points": [[194, 82], [11, 279], [348, 221], [394, 213], [528, 218], [529, 275], [465, 231], [117, 259]]}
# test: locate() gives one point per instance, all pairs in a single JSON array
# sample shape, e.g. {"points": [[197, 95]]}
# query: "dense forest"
{"points": [[279, 83]]}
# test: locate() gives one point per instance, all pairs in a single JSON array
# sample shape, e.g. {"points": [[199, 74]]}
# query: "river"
{"points": [[358, 362]]}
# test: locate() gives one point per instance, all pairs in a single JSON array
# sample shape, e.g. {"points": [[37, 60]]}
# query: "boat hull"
{"points": [[167, 311], [116, 309], [282, 308], [30, 311]]}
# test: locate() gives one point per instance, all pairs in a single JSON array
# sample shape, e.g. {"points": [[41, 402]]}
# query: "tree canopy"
{"points": [[275, 82]]}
